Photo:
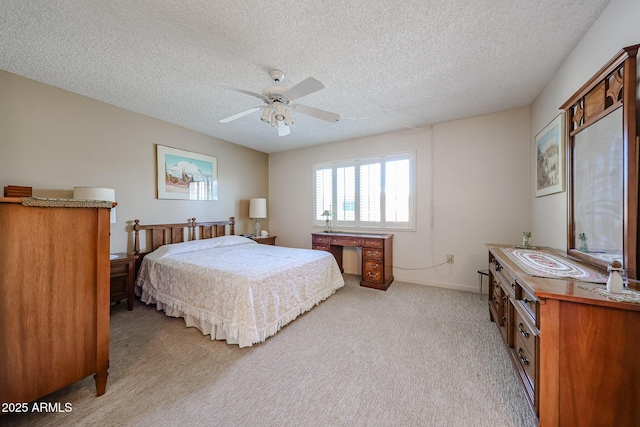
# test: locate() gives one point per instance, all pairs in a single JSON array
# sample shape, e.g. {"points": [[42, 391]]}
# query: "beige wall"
{"points": [[53, 140], [472, 189], [475, 180], [616, 28]]}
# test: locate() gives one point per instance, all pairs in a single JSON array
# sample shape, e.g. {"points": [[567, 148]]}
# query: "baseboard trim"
{"points": [[454, 286]]}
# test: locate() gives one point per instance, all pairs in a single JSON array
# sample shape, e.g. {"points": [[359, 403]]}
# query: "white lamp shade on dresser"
{"points": [[96, 193]]}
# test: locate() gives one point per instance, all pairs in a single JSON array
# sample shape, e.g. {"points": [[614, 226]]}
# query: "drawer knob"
{"points": [[522, 331], [526, 300], [370, 274], [522, 358]]}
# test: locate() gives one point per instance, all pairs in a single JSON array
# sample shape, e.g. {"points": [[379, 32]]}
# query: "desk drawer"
{"points": [[373, 243], [321, 239], [346, 241], [372, 253], [372, 271], [319, 247]]}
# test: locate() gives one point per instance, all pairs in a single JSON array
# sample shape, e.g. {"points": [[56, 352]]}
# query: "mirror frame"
{"points": [[613, 87]]}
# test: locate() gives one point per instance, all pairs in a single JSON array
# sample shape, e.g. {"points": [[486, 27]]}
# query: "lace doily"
{"points": [[627, 295], [65, 203]]}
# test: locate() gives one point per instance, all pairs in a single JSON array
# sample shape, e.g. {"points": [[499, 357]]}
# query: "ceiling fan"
{"points": [[279, 102]]}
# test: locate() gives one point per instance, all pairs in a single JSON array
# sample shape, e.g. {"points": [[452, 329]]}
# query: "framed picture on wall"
{"points": [[185, 175], [550, 158]]}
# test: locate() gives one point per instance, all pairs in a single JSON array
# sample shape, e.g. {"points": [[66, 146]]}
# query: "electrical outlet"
{"points": [[450, 259]]}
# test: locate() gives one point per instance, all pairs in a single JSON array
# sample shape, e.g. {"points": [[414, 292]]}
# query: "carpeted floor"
{"points": [[411, 356]]}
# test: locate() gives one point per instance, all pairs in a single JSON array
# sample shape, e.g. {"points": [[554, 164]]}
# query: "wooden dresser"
{"points": [[575, 352], [377, 254], [54, 297]]}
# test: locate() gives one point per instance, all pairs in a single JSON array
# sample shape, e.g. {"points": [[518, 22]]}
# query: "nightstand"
{"points": [[123, 272], [269, 240]]}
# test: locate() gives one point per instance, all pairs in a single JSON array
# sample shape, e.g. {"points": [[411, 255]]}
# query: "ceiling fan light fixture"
{"points": [[288, 120], [266, 114], [278, 102], [279, 111]]}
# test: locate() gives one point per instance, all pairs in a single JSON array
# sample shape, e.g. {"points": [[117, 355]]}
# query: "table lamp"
{"points": [[257, 210]]}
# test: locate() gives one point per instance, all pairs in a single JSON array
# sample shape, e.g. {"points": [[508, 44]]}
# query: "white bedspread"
{"points": [[235, 289]]}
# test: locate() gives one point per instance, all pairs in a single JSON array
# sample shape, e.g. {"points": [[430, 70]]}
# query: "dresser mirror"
{"points": [[597, 178], [602, 166]]}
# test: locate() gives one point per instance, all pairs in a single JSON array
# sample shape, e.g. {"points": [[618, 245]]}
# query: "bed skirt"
{"points": [[220, 330]]}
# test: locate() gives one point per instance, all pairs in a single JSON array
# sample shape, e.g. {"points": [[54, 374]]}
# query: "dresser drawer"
{"points": [[372, 253], [372, 271], [506, 278], [526, 359], [530, 304], [346, 241], [525, 333], [525, 345], [373, 243], [497, 302]]}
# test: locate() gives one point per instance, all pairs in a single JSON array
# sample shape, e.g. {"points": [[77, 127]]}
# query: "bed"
{"points": [[227, 286]]}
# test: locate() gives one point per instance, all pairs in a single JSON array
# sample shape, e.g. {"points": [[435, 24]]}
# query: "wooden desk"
{"points": [[377, 254]]}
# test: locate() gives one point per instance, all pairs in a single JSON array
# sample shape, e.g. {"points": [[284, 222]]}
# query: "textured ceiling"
{"points": [[386, 65]]}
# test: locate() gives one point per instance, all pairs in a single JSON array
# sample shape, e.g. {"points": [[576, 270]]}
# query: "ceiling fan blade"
{"points": [[317, 113], [304, 88], [246, 92], [242, 114], [283, 130]]}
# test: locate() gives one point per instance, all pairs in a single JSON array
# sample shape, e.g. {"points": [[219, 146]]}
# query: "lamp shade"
{"points": [[95, 193], [258, 208]]}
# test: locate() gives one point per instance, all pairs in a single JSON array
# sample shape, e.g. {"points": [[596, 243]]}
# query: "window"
{"points": [[373, 193]]}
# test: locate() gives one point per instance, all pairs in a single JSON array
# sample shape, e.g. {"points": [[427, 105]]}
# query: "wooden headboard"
{"points": [[163, 234]]}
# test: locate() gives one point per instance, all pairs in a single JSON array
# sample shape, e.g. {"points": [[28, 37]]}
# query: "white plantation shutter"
{"points": [[372, 193], [345, 194]]}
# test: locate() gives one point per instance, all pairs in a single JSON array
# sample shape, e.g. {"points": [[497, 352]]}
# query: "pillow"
{"points": [[198, 245]]}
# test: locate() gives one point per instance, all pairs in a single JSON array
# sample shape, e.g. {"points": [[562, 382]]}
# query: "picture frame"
{"points": [[550, 157], [185, 175]]}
